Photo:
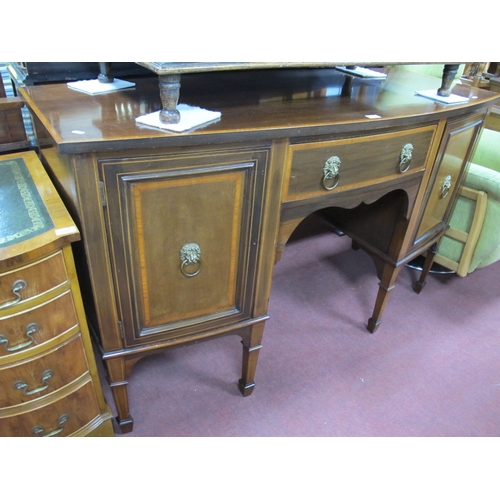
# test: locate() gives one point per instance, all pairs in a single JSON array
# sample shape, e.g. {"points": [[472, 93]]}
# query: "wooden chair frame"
{"points": [[468, 239]]}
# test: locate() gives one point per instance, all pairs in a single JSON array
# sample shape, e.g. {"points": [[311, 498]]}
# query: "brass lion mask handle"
{"points": [[190, 256], [405, 157], [446, 186], [331, 173]]}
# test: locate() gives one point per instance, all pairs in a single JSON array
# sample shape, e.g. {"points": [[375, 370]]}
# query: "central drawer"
{"points": [[317, 168]]}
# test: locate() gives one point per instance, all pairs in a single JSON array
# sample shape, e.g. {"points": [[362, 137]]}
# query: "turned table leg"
{"points": [[251, 348], [170, 87], [449, 74], [105, 75]]}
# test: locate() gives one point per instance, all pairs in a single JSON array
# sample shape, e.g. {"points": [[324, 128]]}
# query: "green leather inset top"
{"points": [[22, 211]]}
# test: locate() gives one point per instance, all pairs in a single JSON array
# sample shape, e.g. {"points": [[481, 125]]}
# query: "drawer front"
{"points": [[40, 376], [315, 169], [184, 234], [31, 281], [60, 418], [459, 138], [21, 332]]}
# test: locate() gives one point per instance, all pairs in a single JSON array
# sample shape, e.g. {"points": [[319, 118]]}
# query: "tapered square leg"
{"points": [[251, 348], [429, 259], [116, 372], [386, 285]]}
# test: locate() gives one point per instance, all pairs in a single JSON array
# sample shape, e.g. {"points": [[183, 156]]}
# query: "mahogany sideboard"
{"points": [[180, 231]]}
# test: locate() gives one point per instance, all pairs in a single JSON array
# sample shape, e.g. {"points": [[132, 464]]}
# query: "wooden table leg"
{"points": [[429, 259], [120, 396], [116, 372], [251, 348], [105, 75], [449, 74], [170, 87], [386, 285]]}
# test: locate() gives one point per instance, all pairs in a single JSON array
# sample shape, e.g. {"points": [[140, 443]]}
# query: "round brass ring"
{"points": [[190, 275], [402, 169], [444, 192], [335, 178]]}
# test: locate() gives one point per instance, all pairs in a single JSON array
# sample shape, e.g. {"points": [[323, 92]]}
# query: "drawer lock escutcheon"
{"points": [[17, 286], [331, 173], [23, 386], [190, 256], [445, 188], [405, 157], [39, 431], [31, 329]]}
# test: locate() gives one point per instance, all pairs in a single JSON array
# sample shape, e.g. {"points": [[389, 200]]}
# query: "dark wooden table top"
{"points": [[255, 105]]}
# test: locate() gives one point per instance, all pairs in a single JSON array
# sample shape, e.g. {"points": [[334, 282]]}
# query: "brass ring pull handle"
{"points": [[331, 173], [445, 188], [40, 432], [190, 256], [23, 386], [31, 329], [17, 286], [405, 158]]}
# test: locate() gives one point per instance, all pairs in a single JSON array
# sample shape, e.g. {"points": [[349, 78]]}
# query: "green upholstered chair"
{"points": [[473, 240]]}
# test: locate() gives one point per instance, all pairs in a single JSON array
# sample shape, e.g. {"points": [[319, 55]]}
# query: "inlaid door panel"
{"points": [[183, 233], [458, 141]]}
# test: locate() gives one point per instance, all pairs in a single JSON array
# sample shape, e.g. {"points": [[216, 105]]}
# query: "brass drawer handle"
{"points": [[17, 286], [405, 158], [331, 173], [445, 188], [190, 255], [40, 432], [23, 386], [31, 329]]}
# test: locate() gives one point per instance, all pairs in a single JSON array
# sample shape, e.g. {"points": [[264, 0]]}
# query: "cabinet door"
{"points": [[458, 140], [183, 233]]}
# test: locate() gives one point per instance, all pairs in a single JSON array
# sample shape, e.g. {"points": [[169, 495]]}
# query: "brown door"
{"points": [[458, 141], [184, 234]]}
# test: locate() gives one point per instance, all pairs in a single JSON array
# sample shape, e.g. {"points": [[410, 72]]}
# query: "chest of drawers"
{"points": [[49, 384]]}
